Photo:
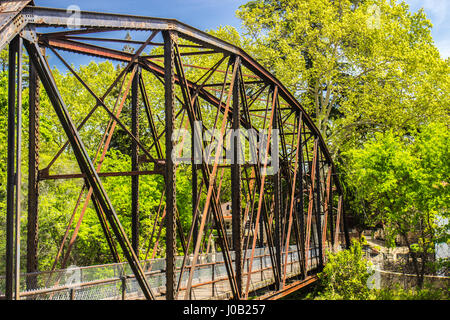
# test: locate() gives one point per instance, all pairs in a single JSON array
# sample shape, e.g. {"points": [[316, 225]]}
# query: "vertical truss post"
{"points": [[135, 162], [236, 184], [328, 210], [318, 208], [299, 213], [301, 216], [194, 189], [169, 81], [345, 225], [338, 221], [277, 209], [33, 181], [194, 199], [11, 177], [18, 175], [331, 204], [310, 204]]}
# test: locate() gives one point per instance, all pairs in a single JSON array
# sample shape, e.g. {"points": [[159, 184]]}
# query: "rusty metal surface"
{"points": [[13, 6], [290, 289], [11, 19]]}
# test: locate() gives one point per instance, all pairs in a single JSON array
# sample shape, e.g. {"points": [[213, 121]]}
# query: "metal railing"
{"points": [[117, 282]]}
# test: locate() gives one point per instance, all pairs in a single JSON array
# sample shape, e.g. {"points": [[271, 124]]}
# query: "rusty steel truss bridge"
{"points": [[273, 238]]}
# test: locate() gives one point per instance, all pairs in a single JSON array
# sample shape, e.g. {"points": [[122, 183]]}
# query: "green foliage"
{"points": [[426, 293], [358, 67], [401, 182], [345, 275]]}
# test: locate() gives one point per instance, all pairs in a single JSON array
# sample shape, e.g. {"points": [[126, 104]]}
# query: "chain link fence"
{"points": [[116, 281]]}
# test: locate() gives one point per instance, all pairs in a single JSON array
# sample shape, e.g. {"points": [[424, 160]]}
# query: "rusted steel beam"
{"points": [[169, 82], [327, 210], [192, 236], [318, 207], [45, 176], [148, 112], [292, 197], [12, 21], [195, 192], [345, 225], [135, 161], [11, 169], [331, 210], [18, 174], [338, 222], [312, 188], [74, 32], [182, 54], [245, 82], [217, 212], [298, 205], [277, 212], [236, 184], [85, 48], [33, 181], [106, 230], [150, 239], [70, 36], [291, 288]]}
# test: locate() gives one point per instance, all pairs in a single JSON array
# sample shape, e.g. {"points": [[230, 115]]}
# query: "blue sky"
{"points": [[438, 11], [202, 14], [210, 14]]}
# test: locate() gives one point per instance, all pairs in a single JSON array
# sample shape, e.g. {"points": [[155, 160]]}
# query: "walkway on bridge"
{"points": [[107, 282]]}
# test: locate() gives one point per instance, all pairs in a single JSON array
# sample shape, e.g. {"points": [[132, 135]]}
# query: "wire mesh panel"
{"points": [[116, 281]]}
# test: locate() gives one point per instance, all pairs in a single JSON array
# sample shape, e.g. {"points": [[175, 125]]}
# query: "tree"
{"points": [[345, 275], [357, 67], [401, 182]]}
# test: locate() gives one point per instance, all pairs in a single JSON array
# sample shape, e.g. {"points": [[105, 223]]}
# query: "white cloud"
{"points": [[436, 10], [439, 14]]}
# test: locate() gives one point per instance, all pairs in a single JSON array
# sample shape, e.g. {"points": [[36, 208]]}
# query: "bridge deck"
{"points": [[106, 282]]}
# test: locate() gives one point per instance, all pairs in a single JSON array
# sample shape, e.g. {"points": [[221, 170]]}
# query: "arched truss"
{"points": [[301, 204]]}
